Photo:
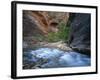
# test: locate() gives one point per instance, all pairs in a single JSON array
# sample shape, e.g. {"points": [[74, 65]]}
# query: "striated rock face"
{"points": [[29, 26], [80, 38], [42, 22]]}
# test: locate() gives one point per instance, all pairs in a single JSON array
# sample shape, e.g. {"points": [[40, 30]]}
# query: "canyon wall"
{"points": [[38, 24], [42, 22], [80, 30]]}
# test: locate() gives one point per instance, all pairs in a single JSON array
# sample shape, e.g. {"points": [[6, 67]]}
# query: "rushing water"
{"points": [[53, 58]]}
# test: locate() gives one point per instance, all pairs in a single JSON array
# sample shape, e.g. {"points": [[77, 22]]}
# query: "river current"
{"points": [[53, 58]]}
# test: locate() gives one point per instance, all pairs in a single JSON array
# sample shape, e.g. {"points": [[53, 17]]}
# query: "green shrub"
{"points": [[62, 34]]}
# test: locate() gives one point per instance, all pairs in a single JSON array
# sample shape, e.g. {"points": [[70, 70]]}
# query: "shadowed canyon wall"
{"points": [[80, 30]]}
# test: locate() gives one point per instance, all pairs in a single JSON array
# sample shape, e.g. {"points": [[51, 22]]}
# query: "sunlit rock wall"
{"points": [[42, 22]]}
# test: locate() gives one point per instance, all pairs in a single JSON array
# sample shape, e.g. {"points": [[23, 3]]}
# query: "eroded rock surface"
{"points": [[80, 38], [35, 22]]}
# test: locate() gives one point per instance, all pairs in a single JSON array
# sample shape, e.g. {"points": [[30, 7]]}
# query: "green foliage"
{"points": [[40, 37], [62, 34]]}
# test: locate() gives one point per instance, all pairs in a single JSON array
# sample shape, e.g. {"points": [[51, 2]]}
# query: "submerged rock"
{"points": [[53, 58]]}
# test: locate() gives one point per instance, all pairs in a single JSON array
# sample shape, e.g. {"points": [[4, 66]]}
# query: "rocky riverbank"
{"points": [[58, 45]]}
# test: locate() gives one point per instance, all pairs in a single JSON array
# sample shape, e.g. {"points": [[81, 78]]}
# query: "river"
{"points": [[53, 58]]}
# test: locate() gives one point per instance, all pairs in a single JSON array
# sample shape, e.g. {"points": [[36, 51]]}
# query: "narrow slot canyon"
{"points": [[56, 39]]}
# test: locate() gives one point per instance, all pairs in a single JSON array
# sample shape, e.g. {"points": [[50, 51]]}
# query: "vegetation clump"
{"points": [[61, 35]]}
